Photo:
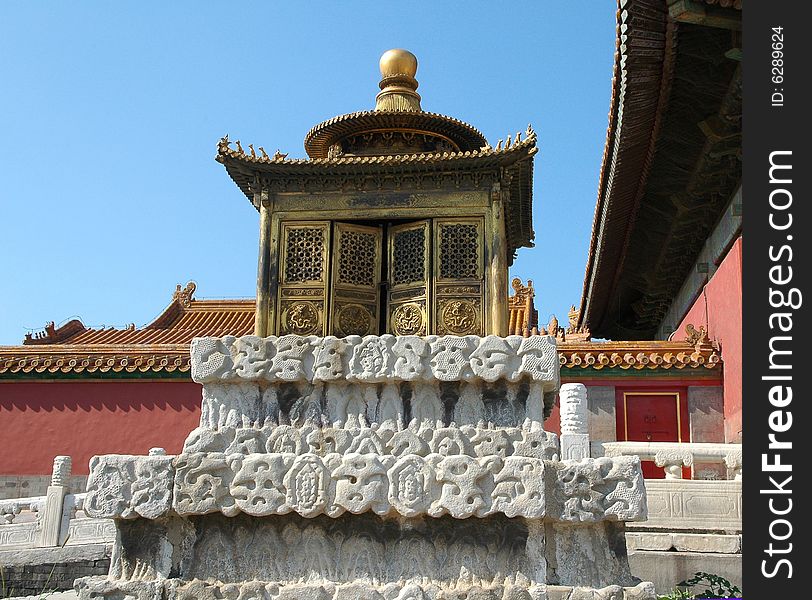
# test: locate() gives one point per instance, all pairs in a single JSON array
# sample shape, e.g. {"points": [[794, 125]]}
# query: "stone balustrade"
{"points": [[693, 505], [11, 509], [673, 456], [56, 519]]}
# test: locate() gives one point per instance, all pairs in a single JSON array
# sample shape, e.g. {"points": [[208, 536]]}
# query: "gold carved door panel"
{"points": [[303, 278], [458, 276], [356, 279], [409, 278]]}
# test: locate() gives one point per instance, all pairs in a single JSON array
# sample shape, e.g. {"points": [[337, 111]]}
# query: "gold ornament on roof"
{"points": [[398, 85]]}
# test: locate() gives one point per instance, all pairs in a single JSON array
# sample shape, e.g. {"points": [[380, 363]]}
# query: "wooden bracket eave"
{"points": [[696, 13]]}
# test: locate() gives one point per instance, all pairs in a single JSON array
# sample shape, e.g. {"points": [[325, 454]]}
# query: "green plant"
{"points": [[677, 594], [715, 587]]}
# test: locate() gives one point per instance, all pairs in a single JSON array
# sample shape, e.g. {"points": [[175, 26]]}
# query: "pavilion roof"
{"points": [[322, 136], [395, 147], [368, 172]]}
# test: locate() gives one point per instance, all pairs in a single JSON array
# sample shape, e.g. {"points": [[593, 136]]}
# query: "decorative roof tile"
{"points": [[638, 355]]}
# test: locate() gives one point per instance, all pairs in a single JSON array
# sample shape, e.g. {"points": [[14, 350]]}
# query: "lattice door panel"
{"points": [[356, 279], [303, 277], [409, 278], [459, 276]]}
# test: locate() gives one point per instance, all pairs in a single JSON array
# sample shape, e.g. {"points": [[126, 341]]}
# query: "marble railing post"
{"points": [[52, 513], [574, 422]]}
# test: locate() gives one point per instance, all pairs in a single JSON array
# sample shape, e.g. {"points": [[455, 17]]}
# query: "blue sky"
{"points": [[109, 192]]}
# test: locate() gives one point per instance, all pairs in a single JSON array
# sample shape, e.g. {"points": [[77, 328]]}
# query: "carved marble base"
{"points": [[369, 468]]}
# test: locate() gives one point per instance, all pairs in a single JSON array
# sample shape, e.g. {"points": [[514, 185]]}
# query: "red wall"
{"points": [[42, 419], [553, 422], [719, 309]]}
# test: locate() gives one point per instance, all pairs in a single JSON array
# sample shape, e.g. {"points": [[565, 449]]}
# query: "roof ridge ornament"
{"points": [[398, 84], [184, 296], [51, 334]]}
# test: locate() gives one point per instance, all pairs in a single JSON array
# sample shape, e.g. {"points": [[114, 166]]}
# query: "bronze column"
{"points": [[264, 298], [498, 266]]}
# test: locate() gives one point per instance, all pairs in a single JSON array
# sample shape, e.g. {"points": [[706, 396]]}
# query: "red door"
{"points": [[653, 417]]}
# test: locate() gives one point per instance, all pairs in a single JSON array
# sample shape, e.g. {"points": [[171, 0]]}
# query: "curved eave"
{"points": [[643, 47], [640, 356], [244, 169], [481, 157]]}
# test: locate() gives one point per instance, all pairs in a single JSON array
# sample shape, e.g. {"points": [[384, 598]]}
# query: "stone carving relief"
{"points": [[411, 484], [598, 489], [292, 360], [574, 412], [450, 479], [389, 438], [363, 548], [357, 404], [230, 405], [672, 460], [361, 483], [212, 358], [256, 486], [519, 488], [201, 485], [252, 358], [127, 487], [310, 485], [329, 359], [371, 359], [307, 485], [375, 358], [574, 422]]}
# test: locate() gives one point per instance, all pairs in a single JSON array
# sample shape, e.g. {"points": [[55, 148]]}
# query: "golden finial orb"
{"points": [[398, 68], [398, 62]]}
